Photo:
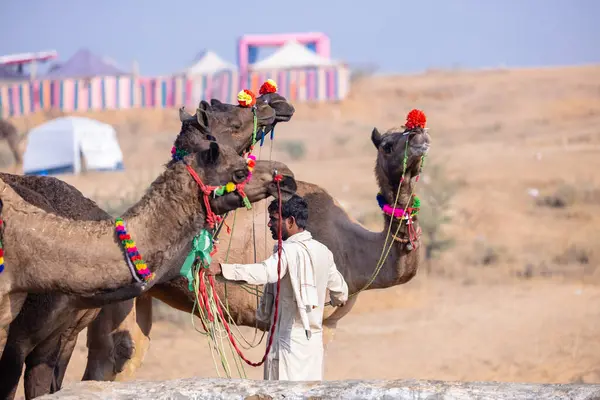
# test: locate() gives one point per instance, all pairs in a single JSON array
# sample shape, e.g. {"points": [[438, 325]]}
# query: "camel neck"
{"points": [[164, 221], [85, 257]]}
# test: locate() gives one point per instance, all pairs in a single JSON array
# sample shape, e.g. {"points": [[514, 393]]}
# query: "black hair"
{"points": [[295, 207]]}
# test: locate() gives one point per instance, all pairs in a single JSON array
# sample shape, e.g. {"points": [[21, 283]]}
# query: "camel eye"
{"points": [[240, 175], [388, 147]]}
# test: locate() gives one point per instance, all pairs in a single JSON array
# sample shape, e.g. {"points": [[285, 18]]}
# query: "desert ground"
{"points": [[510, 198]]}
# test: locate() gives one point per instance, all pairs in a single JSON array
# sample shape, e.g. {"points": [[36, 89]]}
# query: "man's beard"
{"points": [[284, 233]]}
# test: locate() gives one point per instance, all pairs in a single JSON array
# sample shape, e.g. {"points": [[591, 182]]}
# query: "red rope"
{"points": [[413, 235], [211, 218], [204, 294]]}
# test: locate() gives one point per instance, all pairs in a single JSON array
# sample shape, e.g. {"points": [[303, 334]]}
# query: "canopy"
{"points": [[207, 63], [292, 55], [70, 145], [85, 64]]}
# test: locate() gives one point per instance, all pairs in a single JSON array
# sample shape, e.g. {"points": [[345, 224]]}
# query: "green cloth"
{"points": [[202, 245]]}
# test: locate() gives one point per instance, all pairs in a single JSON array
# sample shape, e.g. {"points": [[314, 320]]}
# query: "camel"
{"points": [[355, 248], [9, 133], [45, 330], [174, 197]]}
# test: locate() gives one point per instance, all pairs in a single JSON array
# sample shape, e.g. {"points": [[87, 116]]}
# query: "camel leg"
{"points": [[11, 367], [39, 368], [107, 344], [139, 329], [67, 343], [330, 322], [10, 306]]}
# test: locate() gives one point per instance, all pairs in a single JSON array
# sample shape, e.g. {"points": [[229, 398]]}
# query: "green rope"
{"points": [[255, 127]]}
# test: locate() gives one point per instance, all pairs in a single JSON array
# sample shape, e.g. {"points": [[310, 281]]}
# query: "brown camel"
{"points": [[163, 223], [355, 248], [45, 324], [9, 133]]}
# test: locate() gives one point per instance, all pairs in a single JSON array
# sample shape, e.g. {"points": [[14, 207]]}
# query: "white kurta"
{"points": [[305, 263]]}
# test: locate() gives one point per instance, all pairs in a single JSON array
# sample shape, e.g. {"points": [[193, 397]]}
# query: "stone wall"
{"points": [[208, 389]]}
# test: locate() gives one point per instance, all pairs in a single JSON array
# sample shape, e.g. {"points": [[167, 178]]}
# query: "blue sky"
{"points": [[397, 36]]}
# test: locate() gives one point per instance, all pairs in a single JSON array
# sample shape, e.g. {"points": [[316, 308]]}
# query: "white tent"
{"points": [[64, 144], [209, 63], [292, 55]]}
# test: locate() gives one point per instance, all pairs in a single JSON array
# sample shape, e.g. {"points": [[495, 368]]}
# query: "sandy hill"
{"points": [[513, 166]]}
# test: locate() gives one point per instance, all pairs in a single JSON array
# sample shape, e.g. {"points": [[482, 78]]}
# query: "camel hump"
{"points": [[10, 196]]}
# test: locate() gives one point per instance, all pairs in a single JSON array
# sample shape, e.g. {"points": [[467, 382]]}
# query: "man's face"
{"points": [[274, 226]]}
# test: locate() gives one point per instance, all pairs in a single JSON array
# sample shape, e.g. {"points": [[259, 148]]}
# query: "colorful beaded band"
{"points": [[141, 269], [399, 212]]}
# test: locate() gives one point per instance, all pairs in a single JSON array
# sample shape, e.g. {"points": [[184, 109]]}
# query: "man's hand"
{"points": [[336, 302], [214, 269]]}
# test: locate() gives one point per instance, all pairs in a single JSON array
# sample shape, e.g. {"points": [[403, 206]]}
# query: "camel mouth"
{"points": [[284, 111], [288, 187], [420, 149]]}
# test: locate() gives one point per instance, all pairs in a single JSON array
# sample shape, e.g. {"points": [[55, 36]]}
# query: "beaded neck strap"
{"points": [[139, 269], [399, 213]]}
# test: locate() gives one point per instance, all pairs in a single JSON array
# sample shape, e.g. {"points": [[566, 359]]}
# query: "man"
{"points": [[307, 270]]}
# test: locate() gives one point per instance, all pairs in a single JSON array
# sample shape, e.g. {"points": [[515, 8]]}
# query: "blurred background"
{"points": [[509, 288]]}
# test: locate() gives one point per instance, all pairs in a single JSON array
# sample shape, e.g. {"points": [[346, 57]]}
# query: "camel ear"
{"points": [[183, 115], [215, 102], [376, 137], [202, 114], [209, 156]]}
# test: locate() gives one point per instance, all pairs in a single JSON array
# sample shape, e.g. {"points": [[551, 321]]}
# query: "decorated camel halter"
{"points": [[414, 119], [268, 87], [247, 99]]}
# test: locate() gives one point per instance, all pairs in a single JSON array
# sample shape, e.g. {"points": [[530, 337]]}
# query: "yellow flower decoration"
{"points": [[230, 187]]}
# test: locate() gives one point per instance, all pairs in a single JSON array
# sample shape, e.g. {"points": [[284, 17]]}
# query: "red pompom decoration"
{"points": [[415, 119], [268, 87]]}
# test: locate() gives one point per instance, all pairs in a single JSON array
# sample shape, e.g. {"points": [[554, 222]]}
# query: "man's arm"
{"points": [[255, 274], [338, 289]]}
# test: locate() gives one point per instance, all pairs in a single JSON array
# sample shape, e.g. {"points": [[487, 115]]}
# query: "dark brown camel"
{"points": [[9, 133], [55, 330], [355, 248]]}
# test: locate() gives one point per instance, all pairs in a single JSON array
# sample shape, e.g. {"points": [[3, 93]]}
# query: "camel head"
{"points": [[283, 112], [400, 150], [218, 164], [230, 124]]}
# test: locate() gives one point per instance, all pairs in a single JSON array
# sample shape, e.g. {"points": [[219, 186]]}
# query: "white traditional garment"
{"points": [[307, 271]]}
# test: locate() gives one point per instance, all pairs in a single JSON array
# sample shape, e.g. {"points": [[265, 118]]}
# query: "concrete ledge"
{"points": [[208, 389]]}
